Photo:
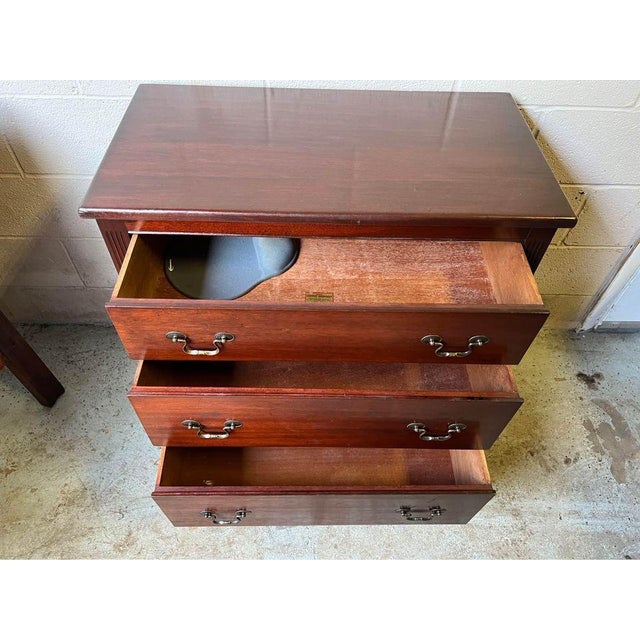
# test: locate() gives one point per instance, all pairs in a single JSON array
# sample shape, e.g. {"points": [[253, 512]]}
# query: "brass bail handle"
{"points": [[430, 513], [423, 431], [212, 516], [229, 426], [439, 344], [219, 340]]}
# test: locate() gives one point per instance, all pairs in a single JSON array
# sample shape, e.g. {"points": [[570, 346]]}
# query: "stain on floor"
{"points": [[8, 469], [614, 439], [591, 380]]}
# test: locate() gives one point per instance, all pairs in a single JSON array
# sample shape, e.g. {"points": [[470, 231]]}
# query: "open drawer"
{"points": [[325, 404], [375, 300], [291, 486]]}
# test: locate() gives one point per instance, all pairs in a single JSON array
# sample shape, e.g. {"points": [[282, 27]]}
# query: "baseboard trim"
{"points": [[618, 327]]}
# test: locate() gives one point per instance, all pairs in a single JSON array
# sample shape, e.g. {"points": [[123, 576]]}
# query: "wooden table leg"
{"points": [[25, 364]]}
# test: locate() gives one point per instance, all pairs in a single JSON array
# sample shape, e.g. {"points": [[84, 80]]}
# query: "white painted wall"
{"points": [[54, 267]]}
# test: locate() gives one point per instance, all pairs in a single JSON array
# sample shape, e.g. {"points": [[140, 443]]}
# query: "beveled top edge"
{"points": [[351, 156]]}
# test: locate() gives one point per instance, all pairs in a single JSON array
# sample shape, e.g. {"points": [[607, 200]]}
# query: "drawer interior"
{"points": [[362, 271], [321, 468], [366, 378]]}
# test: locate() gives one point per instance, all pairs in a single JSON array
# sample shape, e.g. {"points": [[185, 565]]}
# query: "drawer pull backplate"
{"points": [[218, 340], [228, 427], [213, 518], [421, 429], [438, 343], [431, 513]]}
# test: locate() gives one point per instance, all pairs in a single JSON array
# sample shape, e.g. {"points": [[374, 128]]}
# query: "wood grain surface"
{"points": [[116, 233], [327, 368], [290, 487], [319, 156], [374, 303], [289, 509], [324, 333], [364, 272], [331, 467], [364, 378], [319, 404]]}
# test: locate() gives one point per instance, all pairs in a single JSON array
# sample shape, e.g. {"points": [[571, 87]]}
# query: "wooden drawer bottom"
{"points": [[320, 486]]}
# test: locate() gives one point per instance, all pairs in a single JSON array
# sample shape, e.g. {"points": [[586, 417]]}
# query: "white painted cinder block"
{"points": [[108, 87], [592, 146], [576, 197], [576, 271], [566, 311], [36, 262], [588, 93], [44, 206], [38, 87], [60, 135], [92, 260], [7, 164], [610, 217], [128, 87], [56, 305]]}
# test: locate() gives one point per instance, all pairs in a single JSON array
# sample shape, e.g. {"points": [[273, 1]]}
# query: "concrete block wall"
{"points": [[54, 267]]}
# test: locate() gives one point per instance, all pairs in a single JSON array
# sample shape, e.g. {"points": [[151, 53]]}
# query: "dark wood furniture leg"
{"points": [[25, 364]]}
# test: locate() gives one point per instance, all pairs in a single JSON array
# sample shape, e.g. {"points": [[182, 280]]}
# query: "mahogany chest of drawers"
{"points": [[364, 383]]}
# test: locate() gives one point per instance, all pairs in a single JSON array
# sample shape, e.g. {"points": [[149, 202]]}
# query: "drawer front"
{"points": [[325, 334], [347, 421], [299, 509], [342, 300], [303, 486]]}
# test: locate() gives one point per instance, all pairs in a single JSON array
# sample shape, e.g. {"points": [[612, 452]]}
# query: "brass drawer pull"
{"points": [[228, 427], [432, 512], [421, 430], [218, 340], [213, 517], [438, 343]]}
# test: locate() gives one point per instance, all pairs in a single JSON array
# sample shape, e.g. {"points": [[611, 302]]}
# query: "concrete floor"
{"points": [[75, 480]]}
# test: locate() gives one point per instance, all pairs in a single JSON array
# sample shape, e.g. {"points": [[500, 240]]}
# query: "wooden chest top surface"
{"points": [[228, 154]]}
